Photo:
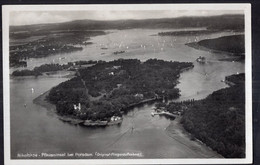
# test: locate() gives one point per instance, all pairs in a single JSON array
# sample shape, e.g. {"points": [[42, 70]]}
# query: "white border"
{"points": [[6, 9]]}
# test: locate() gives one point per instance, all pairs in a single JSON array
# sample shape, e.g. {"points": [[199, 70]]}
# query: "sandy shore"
{"points": [[41, 100], [176, 131]]}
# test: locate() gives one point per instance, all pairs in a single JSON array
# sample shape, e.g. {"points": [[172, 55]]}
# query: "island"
{"points": [[100, 94], [119, 52], [52, 68]]}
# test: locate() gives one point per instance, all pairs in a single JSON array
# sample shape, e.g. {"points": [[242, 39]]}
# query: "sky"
{"points": [[39, 17]]}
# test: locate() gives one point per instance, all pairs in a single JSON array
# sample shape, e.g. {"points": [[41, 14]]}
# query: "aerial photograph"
{"points": [[127, 84]]}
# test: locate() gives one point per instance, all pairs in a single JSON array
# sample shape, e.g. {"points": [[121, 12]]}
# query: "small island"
{"points": [[100, 94], [119, 52]]}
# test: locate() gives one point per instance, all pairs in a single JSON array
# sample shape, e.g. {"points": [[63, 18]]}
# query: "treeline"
{"points": [[232, 44], [39, 70], [187, 32], [26, 72], [52, 68], [115, 86], [219, 120], [79, 63], [236, 78]]}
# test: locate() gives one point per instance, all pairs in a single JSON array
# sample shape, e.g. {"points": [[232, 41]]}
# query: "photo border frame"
{"points": [[248, 69]]}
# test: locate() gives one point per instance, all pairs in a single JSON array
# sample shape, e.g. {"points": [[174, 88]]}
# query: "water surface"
{"points": [[36, 130]]}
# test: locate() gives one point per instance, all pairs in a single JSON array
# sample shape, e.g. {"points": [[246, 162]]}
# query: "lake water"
{"points": [[36, 130]]}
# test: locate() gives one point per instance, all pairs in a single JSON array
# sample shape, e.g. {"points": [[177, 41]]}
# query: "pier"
{"points": [[164, 113]]}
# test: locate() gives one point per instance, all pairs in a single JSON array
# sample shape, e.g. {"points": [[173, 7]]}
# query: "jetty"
{"points": [[164, 113]]}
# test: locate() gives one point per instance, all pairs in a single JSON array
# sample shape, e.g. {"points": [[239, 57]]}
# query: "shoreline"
{"points": [[235, 56], [40, 100], [176, 131], [53, 74]]}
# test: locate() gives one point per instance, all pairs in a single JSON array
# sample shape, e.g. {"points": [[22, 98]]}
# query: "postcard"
{"points": [[127, 84]]}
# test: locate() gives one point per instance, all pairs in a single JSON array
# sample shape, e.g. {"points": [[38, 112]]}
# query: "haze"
{"points": [[40, 17]]}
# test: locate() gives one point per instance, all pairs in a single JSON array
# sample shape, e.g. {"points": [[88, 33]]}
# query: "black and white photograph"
{"points": [[117, 84]]}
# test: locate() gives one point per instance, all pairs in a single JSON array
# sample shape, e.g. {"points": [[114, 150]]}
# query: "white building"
{"points": [[77, 107]]}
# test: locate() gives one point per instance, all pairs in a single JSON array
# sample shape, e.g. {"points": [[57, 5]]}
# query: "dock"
{"points": [[163, 113]]}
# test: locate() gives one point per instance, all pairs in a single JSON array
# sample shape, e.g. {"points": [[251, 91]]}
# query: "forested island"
{"points": [[50, 44], [108, 89], [219, 119], [234, 44], [37, 71]]}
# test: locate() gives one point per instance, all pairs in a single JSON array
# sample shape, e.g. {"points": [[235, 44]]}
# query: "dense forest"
{"points": [[109, 88], [26, 72], [236, 78], [219, 119], [37, 71], [232, 44], [53, 67], [187, 32]]}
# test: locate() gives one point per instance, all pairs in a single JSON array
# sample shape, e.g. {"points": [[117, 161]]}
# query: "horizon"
{"points": [[23, 18]]}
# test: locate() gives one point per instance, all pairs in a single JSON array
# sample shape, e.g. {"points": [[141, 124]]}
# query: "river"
{"points": [[36, 130]]}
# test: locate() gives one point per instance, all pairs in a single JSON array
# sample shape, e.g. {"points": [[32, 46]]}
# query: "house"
{"points": [[115, 118], [111, 74], [77, 107]]}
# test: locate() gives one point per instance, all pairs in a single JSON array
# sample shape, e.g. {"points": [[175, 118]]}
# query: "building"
{"points": [[111, 73], [77, 107], [115, 118]]}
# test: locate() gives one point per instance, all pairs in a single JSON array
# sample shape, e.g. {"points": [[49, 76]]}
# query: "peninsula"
{"points": [[233, 45], [219, 119]]}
